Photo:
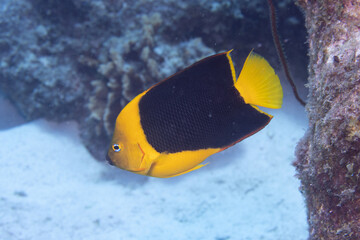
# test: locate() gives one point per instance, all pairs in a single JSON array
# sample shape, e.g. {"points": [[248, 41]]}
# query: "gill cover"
{"points": [[129, 137]]}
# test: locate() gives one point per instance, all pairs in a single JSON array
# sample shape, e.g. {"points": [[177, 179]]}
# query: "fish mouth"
{"points": [[108, 160]]}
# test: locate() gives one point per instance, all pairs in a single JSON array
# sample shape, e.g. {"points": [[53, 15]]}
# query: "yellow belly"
{"points": [[174, 164]]}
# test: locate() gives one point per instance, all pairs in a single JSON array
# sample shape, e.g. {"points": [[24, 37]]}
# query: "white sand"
{"points": [[51, 188]]}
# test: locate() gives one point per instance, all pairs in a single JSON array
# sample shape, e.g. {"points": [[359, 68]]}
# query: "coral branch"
{"points": [[281, 52]]}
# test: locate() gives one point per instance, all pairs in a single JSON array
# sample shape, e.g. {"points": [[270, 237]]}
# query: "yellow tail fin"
{"points": [[258, 84]]}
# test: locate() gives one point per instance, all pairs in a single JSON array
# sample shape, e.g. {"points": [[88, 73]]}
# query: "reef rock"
{"points": [[328, 157]]}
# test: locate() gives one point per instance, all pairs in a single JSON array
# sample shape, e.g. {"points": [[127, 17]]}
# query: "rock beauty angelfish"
{"points": [[172, 127]]}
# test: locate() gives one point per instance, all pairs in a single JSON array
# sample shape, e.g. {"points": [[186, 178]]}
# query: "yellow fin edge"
{"points": [[232, 68]]}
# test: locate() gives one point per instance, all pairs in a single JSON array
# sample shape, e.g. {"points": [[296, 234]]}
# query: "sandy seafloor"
{"points": [[52, 188]]}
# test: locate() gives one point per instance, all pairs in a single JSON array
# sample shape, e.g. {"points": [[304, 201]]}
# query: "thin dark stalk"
{"points": [[280, 51]]}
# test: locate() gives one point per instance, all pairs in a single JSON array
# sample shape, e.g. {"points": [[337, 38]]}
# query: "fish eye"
{"points": [[116, 147]]}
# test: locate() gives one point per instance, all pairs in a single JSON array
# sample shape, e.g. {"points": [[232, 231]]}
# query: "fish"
{"points": [[172, 127]]}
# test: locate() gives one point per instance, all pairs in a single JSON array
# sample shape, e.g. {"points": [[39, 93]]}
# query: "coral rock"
{"points": [[328, 157]]}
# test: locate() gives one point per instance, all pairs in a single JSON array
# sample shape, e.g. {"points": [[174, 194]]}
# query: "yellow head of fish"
{"points": [[128, 157], [125, 150]]}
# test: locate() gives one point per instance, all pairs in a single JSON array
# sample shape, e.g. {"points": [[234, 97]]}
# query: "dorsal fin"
{"points": [[258, 84]]}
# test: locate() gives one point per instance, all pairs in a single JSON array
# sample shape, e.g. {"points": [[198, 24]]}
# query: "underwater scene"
{"points": [[152, 120]]}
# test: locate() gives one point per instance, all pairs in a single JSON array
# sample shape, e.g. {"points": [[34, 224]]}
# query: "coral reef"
{"points": [[328, 156], [85, 60]]}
